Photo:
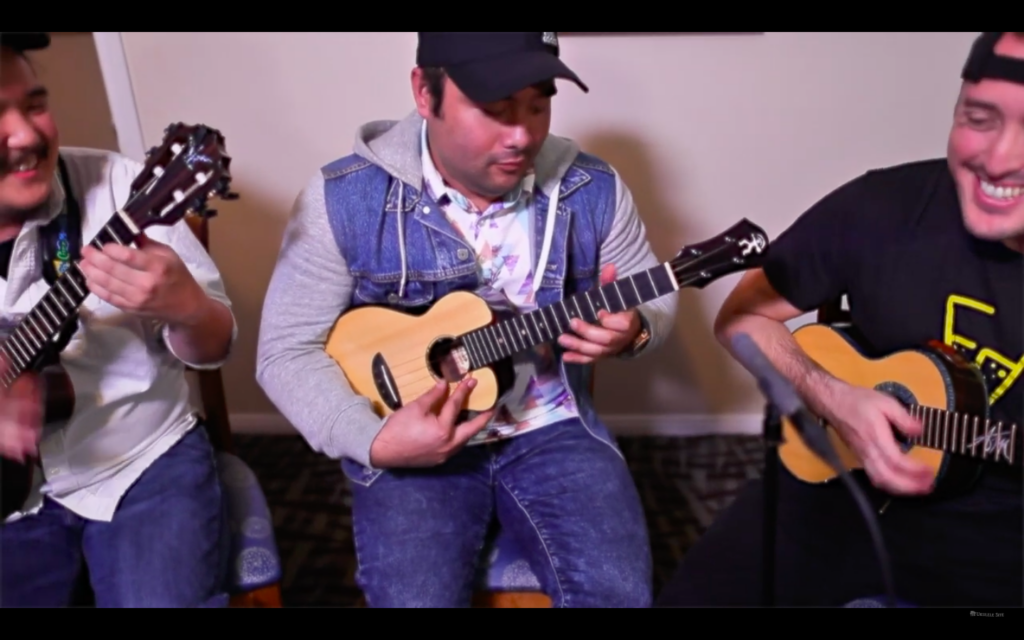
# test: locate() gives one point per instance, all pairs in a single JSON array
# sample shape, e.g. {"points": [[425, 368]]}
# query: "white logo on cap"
{"points": [[550, 38]]}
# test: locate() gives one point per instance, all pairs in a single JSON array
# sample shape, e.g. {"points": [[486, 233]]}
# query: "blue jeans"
{"points": [[567, 497], [166, 547]]}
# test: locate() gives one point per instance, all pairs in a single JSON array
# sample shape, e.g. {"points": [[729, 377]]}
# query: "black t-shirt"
{"points": [[894, 243]]}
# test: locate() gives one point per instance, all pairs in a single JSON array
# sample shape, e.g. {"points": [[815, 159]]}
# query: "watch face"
{"points": [[642, 338]]}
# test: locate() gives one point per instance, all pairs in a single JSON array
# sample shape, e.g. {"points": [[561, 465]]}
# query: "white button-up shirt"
{"points": [[132, 398]]}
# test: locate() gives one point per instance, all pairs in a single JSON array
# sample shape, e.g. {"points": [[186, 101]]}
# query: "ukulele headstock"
{"points": [[742, 247], [180, 176]]}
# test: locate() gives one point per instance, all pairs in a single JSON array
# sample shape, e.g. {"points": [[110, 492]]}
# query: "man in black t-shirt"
{"points": [[932, 250]]}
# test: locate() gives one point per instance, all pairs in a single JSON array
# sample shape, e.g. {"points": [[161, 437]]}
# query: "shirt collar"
{"points": [[445, 194]]}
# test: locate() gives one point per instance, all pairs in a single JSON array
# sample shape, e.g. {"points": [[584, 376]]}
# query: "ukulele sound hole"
{"points": [[448, 360], [905, 397]]}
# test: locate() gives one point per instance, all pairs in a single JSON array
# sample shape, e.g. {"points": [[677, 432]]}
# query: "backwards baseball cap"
{"points": [[983, 62], [492, 65]]}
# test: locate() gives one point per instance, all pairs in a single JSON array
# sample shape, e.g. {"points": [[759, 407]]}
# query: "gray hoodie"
{"points": [[311, 287]]}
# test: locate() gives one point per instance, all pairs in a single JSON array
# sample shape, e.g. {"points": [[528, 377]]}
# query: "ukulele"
{"points": [[392, 357], [937, 385], [190, 167]]}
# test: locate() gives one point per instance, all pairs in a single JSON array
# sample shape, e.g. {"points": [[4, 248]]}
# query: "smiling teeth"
{"points": [[28, 164], [1004, 193]]}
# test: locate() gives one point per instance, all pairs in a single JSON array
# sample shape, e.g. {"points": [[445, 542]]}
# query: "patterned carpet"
{"points": [[684, 483]]}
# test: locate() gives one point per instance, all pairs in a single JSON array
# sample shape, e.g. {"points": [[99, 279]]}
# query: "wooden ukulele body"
{"points": [[392, 357], [933, 376], [58, 399]]}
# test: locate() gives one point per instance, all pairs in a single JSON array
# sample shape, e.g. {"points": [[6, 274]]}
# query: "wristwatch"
{"points": [[640, 341]]}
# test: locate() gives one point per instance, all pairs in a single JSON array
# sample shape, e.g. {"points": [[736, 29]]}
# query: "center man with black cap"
{"points": [[923, 251], [470, 191]]}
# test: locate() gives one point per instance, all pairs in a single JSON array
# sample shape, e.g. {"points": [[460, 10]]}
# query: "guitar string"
{"points": [[677, 270], [989, 429], [13, 370], [417, 362], [431, 381]]}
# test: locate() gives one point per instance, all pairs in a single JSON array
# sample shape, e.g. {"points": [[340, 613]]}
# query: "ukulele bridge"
{"points": [[384, 381]]}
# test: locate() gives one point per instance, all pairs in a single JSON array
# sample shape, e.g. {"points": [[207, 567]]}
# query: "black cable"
{"points": [[820, 444]]}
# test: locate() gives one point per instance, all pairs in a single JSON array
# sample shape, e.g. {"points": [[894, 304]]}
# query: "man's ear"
{"points": [[421, 93]]}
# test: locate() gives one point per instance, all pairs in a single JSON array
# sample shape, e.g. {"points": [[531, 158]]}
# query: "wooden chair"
{"points": [[254, 579]]}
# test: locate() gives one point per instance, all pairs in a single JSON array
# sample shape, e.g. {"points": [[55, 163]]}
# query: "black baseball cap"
{"points": [[983, 61], [492, 65], [24, 40]]}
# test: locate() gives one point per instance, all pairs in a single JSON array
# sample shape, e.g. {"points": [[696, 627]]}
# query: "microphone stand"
{"points": [[772, 433]]}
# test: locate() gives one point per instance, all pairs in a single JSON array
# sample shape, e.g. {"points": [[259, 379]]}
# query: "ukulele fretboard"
{"points": [[966, 435], [490, 344], [42, 326]]}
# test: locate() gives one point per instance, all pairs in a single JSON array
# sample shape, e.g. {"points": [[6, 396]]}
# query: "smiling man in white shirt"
{"points": [[126, 492]]}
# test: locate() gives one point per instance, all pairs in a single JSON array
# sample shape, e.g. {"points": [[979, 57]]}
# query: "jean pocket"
{"points": [[359, 474]]}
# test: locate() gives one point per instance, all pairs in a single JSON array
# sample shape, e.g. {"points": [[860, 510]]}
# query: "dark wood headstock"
{"points": [[181, 175], [742, 247]]}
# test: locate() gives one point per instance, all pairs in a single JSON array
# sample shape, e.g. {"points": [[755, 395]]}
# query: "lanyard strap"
{"points": [[61, 242], [62, 237]]}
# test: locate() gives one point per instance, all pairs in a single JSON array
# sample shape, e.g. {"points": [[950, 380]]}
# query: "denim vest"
{"points": [[362, 203]]}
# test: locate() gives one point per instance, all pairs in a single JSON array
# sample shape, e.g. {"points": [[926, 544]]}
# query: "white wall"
{"points": [[705, 128]]}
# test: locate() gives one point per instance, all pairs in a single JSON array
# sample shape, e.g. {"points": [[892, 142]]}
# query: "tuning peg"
{"points": [[209, 213], [230, 195], [151, 151]]}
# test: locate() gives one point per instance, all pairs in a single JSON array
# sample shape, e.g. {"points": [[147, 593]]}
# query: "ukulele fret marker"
{"points": [[538, 325], [1013, 443], [632, 281], [128, 222], [974, 439], [621, 299], [671, 277], [23, 349], [78, 289], [508, 335], [113, 234], [53, 316], [38, 317], [32, 323], [515, 337], [14, 356], [496, 342], [34, 341], [963, 444], [67, 297], [482, 346], [503, 336], [955, 430], [467, 340], [524, 330]]}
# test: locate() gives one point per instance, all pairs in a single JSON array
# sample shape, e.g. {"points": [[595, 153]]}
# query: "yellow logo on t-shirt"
{"points": [[1001, 370]]}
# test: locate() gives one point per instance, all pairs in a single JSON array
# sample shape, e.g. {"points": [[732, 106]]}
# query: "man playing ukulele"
{"points": [[924, 251], [126, 494], [453, 197]]}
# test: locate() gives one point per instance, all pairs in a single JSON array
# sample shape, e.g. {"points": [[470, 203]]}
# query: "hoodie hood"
{"points": [[394, 146]]}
